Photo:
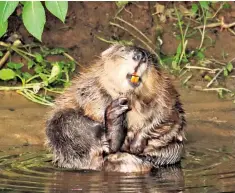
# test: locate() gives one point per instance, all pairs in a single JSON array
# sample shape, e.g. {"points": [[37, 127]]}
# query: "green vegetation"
{"points": [[40, 77], [187, 64], [192, 22], [33, 14]]}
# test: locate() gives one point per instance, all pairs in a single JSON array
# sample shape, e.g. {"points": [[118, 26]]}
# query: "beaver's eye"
{"points": [[122, 50]]}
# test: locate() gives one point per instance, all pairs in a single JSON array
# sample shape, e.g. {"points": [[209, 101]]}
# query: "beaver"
{"points": [[120, 114]]}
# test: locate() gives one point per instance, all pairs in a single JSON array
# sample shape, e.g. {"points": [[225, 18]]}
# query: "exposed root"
{"points": [[220, 24], [8, 53]]}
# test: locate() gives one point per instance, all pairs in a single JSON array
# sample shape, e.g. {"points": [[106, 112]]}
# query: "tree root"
{"points": [[220, 24]]}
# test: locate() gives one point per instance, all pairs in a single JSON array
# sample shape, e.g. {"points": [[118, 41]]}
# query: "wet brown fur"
{"points": [[155, 124]]}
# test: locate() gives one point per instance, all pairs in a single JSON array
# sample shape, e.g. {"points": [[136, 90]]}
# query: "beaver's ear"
{"points": [[110, 50]]}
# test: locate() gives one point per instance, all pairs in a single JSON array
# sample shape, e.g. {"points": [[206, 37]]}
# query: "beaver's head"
{"points": [[127, 67]]}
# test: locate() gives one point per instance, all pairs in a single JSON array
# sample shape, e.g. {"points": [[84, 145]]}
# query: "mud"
{"points": [[87, 20], [21, 120]]}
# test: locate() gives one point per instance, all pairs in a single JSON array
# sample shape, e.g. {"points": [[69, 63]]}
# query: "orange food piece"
{"points": [[134, 78]]}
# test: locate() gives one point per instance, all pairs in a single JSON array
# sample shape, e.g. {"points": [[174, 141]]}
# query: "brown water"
{"points": [[209, 164]]}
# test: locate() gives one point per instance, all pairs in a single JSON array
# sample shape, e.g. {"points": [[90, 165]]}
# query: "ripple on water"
{"points": [[29, 169]]}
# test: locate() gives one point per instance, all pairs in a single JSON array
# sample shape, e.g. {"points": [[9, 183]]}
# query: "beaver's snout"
{"points": [[140, 55]]}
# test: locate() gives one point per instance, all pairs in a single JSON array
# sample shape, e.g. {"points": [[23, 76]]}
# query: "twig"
{"points": [[183, 50], [155, 53], [187, 79], [231, 31], [221, 6], [4, 58], [218, 62], [183, 73], [216, 89], [72, 59], [7, 54], [183, 42], [212, 25], [119, 11], [128, 12], [222, 24], [106, 41], [204, 28], [201, 68], [136, 30], [215, 77], [231, 60]]}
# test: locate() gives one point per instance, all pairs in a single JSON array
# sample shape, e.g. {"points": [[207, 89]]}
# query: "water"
{"points": [[208, 166]]}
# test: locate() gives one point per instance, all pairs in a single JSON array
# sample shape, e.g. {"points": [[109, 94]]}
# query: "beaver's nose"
{"points": [[139, 55]]}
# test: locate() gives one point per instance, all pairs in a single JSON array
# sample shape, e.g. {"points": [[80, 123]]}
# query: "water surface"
{"points": [[208, 166]]}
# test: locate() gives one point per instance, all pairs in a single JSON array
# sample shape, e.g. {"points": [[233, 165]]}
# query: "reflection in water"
{"points": [[29, 169], [162, 180]]}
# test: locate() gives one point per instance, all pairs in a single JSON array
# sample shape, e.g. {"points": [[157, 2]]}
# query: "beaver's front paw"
{"points": [[116, 109], [115, 128], [138, 145]]}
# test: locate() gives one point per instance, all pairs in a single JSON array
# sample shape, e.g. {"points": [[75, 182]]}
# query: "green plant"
{"points": [[41, 77], [180, 52], [121, 4], [33, 14], [228, 69]]}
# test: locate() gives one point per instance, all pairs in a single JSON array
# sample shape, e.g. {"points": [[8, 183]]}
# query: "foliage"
{"points": [[121, 3], [41, 77], [33, 14]]}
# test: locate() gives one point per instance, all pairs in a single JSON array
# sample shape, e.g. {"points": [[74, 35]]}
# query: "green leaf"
{"points": [[15, 66], [67, 84], [34, 18], [194, 8], [179, 49], [204, 4], [3, 28], [44, 78], [6, 9], [71, 66], [55, 72], [1, 54], [207, 77], [200, 55], [226, 6], [220, 93], [39, 58], [58, 8], [56, 51], [121, 3], [7, 74], [26, 75], [225, 72], [229, 66], [30, 64], [38, 69]]}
